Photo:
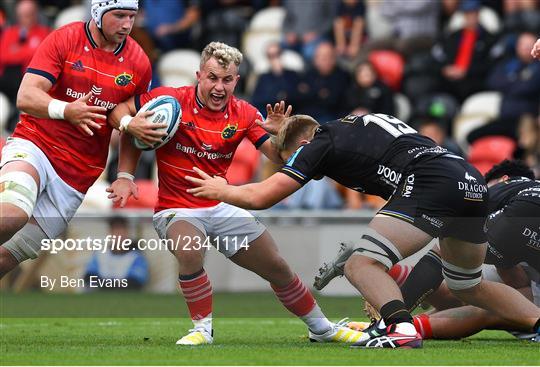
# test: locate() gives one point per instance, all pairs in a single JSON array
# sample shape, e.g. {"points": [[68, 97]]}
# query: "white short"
{"points": [[57, 202], [228, 228], [489, 272]]}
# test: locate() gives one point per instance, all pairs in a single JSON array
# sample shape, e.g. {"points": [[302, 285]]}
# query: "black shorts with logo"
{"points": [[444, 197], [514, 234]]}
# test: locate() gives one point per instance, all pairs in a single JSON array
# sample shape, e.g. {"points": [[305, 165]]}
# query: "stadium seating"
{"points": [[265, 27], [389, 66], [485, 152], [72, 14], [292, 60], [488, 19], [378, 27], [268, 19], [254, 44], [403, 107], [476, 110], [177, 68], [5, 111]]}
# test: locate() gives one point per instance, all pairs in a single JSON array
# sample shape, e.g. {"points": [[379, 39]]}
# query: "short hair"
{"points": [[509, 168], [224, 54], [292, 129]]}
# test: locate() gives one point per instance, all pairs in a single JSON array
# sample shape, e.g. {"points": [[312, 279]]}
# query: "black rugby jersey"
{"points": [[366, 153], [504, 192]]}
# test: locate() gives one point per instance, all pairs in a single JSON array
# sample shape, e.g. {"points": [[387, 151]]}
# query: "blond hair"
{"points": [[224, 54], [295, 128]]}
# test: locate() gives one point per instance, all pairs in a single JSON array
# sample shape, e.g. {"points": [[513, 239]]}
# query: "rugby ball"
{"points": [[166, 109]]}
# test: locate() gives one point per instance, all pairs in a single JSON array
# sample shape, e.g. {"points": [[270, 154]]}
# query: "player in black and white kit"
{"points": [[514, 225], [431, 192], [513, 257]]}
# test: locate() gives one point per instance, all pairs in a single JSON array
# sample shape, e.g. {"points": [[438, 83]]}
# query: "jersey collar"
{"points": [[94, 44]]}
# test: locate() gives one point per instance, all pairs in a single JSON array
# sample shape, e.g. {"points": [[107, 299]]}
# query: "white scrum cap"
{"points": [[100, 7]]}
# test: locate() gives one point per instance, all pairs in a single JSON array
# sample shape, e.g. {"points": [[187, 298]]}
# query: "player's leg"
{"points": [[263, 258], [19, 183], [463, 321], [462, 270], [193, 280], [459, 322], [387, 242], [24, 245]]}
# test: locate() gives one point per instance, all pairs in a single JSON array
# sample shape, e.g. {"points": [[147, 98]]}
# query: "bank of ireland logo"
{"points": [[229, 131], [96, 90], [123, 79]]}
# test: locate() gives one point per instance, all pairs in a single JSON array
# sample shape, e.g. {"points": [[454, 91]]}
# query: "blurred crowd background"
{"points": [[459, 71]]}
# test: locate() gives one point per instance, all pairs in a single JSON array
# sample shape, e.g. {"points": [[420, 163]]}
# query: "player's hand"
{"points": [[80, 114], [535, 52], [144, 130], [120, 191], [275, 117], [209, 187]]}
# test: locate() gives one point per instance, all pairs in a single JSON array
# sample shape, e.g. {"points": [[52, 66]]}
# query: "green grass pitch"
{"points": [[250, 329]]}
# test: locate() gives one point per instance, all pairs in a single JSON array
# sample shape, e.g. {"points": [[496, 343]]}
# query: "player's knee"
{"points": [[24, 245], [20, 191], [189, 261], [461, 280], [373, 249]]}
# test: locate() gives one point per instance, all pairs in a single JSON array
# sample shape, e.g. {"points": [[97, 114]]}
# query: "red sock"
{"points": [[296, 297], [423, 326], [197, 291], [400, 273]]}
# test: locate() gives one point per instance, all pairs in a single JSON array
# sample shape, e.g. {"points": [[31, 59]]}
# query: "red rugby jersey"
{"points": [[206, 139], [71, 60]]}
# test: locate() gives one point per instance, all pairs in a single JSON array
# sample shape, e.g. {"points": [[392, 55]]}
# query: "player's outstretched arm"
{"points": [[124, 117], [261, 195], [124, 186], [535, 52], [34, 100]]}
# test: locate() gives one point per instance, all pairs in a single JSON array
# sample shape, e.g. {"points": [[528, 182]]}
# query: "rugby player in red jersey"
{"points": [[214, 123], [59, 148]]}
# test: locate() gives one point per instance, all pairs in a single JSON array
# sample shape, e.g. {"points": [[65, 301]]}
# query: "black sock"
{"points": [[424, 279], [395, 312]]}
